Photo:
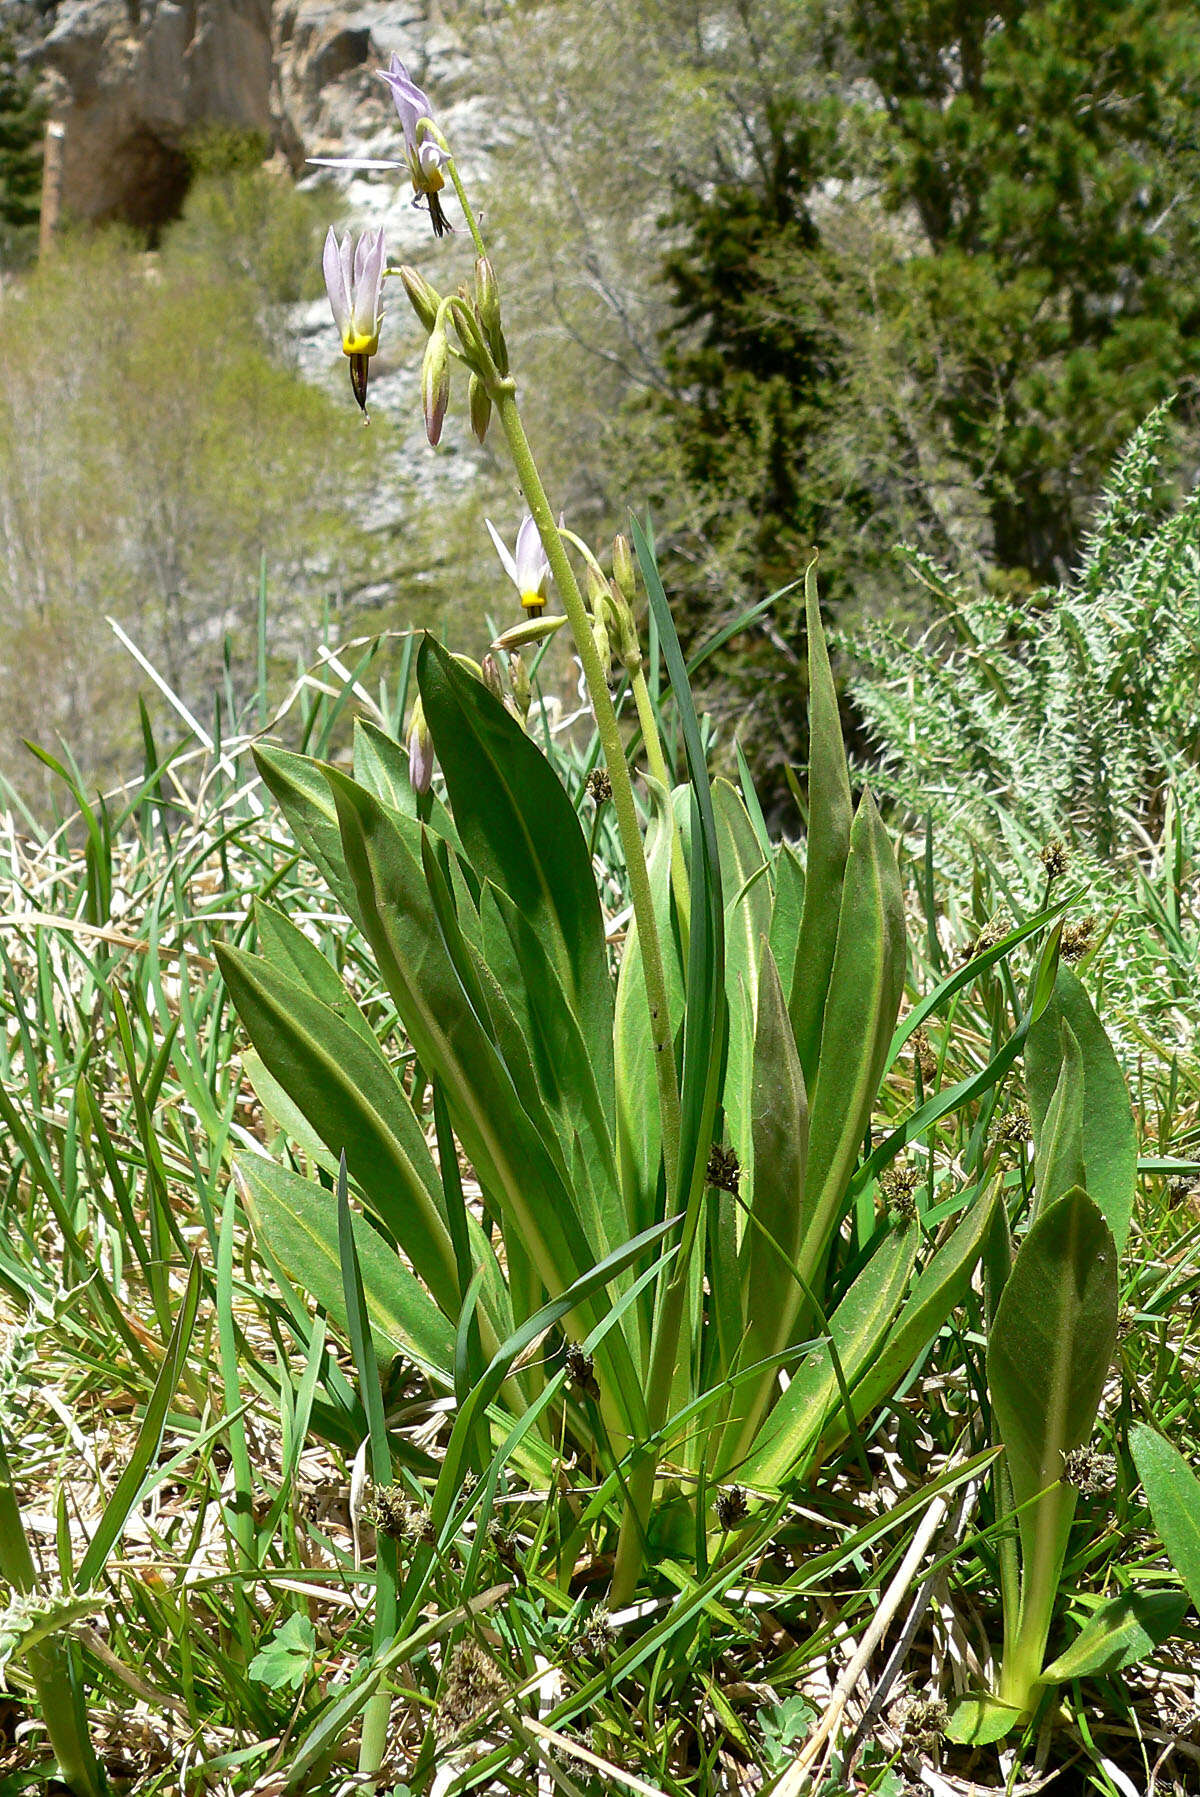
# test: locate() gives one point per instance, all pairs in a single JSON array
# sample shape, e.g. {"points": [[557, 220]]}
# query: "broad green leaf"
{"points": [[771, 1244], [786, 913], [300, 1221], [1119, 1634], [1109, 1135], [519, 1176], [1050, 1350], [704, 1021], [829, 826], [1058, 1135], [284, 1111], [559, 1055], [979, 1720], [286, 1659], [289, 949], [520, 830], [639, 1137], [353, 1099], [300, 790], [937, 1289], [1173, 1493], [865, 987], [381, 765], [857, 1328]]}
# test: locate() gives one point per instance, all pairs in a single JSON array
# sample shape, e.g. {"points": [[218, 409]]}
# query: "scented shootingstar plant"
{"points": [[754, 1012], [353, 281], [528, 567]]}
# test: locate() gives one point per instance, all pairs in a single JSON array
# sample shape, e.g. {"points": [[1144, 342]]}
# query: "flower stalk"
{"points": [[609, 731]]}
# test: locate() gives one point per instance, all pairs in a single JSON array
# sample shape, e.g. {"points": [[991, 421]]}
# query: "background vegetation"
{"points": [[883, 273]]}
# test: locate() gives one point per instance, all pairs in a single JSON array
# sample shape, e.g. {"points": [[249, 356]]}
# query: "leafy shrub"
{"points": [[1070, 717]]}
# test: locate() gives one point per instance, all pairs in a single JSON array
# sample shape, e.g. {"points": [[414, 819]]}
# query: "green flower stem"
{"points": [[468, 213], [657, 761], [377, 1715], [504, 399], [639, 1487]]}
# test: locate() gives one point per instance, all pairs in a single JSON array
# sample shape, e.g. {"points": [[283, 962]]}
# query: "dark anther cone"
{"points": [[359, 366]]}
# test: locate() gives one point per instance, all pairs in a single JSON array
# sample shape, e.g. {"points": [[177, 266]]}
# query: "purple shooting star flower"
{"points": [[353, 278], [528, 569], [425, 157]]}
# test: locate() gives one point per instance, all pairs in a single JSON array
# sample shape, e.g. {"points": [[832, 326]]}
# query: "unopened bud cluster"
{"points": [[474, 317]]}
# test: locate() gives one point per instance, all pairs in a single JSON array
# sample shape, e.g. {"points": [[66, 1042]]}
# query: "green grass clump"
{"points": [[227, 1621]]}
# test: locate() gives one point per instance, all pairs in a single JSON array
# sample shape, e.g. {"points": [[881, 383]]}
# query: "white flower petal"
{"points": [[510, 567]]}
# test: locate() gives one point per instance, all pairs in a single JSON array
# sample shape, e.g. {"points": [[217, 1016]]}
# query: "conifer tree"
{"points": [[944, 306], [22, 118]]}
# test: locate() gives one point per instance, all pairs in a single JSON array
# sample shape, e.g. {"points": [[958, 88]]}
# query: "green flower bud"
{"points": [[435, 385], [479, 402], [597, 592], [518, 673], [420, 750], [466, 324], [603, 646], [533, 630], [623, 569], [487, 310], [425, 299], [628, 647]]}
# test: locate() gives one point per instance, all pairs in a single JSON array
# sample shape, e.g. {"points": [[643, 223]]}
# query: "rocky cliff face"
{"points": [[131, 80]]}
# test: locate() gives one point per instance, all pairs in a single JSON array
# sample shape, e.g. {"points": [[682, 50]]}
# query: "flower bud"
{"points": [[603, 646], [518, 673], [532, 630], [597, 592], [479, 402], [420, 750], [628, 647], [492, 677], [424, 298], [487, 310], [435, 385], [623, 569]]}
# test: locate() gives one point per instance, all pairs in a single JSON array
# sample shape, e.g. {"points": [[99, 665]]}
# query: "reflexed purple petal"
{"points": [[336, 285], [411, 104], [507, 562], [352, 162]]}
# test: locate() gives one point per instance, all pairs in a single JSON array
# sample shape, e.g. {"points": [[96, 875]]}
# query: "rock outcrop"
{"points": [[132, 81]]}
